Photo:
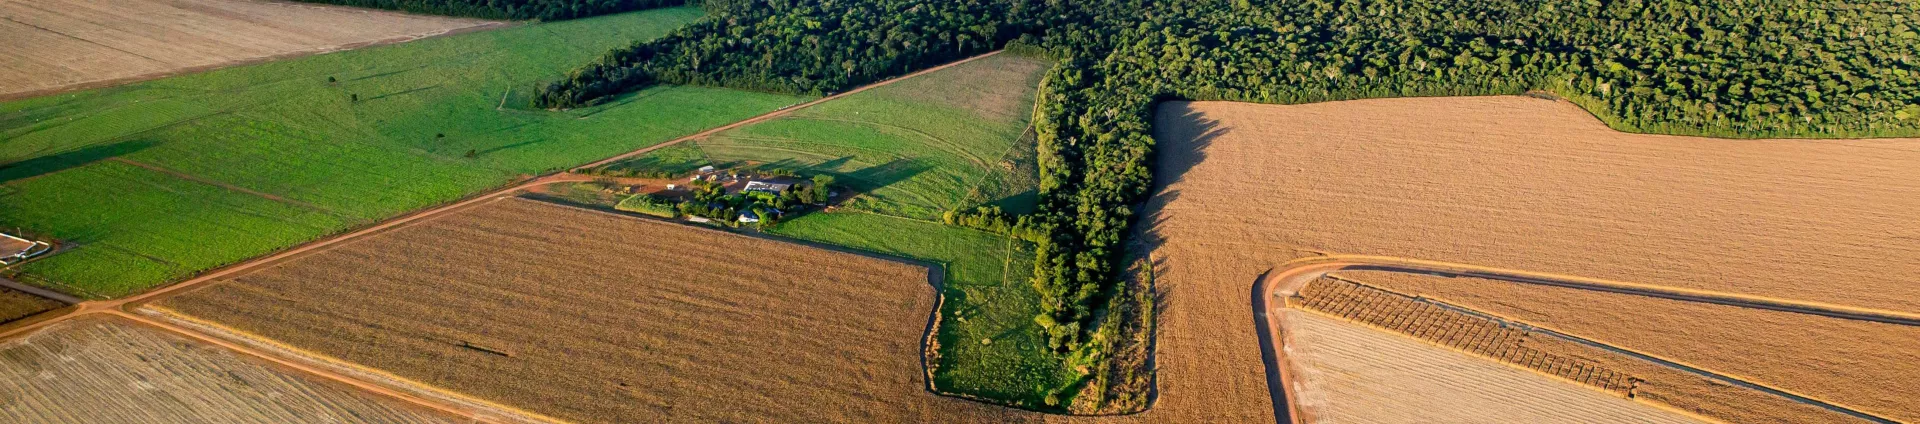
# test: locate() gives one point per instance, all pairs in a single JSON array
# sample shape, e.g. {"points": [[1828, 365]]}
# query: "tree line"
{"points": [[545, 10], [1743, 68]]}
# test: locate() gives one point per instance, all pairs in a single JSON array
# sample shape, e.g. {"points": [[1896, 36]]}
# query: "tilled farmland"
{"points": [[594, 317], [1352, 373], [1538, 185], [108, 370], [56, 44]]}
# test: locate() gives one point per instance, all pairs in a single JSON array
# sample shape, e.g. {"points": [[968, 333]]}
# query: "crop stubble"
{"points": [[1529, 184], [594, 317], [111, 370], [1353, 373], [57, 44]]}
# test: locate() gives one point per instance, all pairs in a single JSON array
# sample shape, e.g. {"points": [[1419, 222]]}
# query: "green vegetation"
{"points": [[258, 158], [916, 148], [649, 205], [547, 10], [989, 346], [1787, 68], [676, 161]]}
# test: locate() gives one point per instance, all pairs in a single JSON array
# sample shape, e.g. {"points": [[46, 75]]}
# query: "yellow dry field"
{"points": [[15, 304], [1538, 185], [106, 370], [54, 45], [594, 317], [1847, 362], [1354, 374]]}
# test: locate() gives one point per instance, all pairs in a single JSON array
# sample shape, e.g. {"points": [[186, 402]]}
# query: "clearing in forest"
{"points": [[57, 45], [618, 318], [1351, 373], [954, 138], [1538, 185], [159, 180], [112, 370]]}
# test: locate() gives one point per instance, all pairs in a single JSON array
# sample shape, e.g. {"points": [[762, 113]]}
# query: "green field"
{"points": [[160, 180], [916, 148], [989, 345]]}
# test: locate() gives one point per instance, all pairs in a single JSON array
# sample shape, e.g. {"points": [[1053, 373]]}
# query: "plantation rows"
{"points": [[1428, 320]]}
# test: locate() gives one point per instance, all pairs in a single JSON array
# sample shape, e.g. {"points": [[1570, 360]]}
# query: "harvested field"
{"points": [[1537, 185], [63, 44], [108, 370], [1522, 344], [1816, 356], [15, 304], [618, 319], [1352, 373]]}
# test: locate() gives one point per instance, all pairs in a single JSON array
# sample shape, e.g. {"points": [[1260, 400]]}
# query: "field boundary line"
{"points": [[1286, 280], [331, 368]]}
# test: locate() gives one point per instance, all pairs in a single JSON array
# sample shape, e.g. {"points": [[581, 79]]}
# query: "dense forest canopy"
{"points": [[546, 10], [1744, 68]]}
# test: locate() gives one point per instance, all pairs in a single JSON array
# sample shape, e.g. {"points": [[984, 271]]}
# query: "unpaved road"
{"points": [[1288, 279], [121, 307]]}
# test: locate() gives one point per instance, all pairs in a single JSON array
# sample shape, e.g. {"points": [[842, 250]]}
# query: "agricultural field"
{"points": [[1819, 357], [617, 317], [63, 44], [15, 304], [1351, 373], [159, 180], [1539, 185], [112, 370], [987, 344], [954, 138], [1547, 352]]}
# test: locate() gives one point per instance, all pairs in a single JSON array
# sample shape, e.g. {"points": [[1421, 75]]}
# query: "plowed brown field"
{"points": [[1356, 374], [595, 317], [106, 370], [60, 44], [1538, 185]]}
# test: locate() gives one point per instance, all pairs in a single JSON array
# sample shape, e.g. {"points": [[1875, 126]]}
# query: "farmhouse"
{"points": [[767, 187]]}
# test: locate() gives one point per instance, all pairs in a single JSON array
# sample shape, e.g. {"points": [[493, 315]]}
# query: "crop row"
{"points": [[1449, 326]]}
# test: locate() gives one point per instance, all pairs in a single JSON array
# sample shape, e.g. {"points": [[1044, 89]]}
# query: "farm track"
{"points": [[122, 307], [1287, 281]]}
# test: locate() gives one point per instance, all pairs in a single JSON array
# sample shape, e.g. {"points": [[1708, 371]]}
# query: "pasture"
{"points": [[987, 344], [954, 138], [160, 180], [64, 44], [1351, 373], [1539, 185], [112, 370], [618, 318]]}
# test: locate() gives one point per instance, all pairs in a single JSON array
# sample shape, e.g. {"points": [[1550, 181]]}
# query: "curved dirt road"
{"points": [[1291, 276]]}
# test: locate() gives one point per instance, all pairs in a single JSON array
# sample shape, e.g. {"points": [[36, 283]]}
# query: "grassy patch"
{"points": [[989, 344], [947, 140], [243, 161]]}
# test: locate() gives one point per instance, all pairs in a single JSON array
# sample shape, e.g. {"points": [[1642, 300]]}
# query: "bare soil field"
{"points": [[1537, 185], [595, 317], [109, 370], [55, 45], [1357, 374], [15, 304]]}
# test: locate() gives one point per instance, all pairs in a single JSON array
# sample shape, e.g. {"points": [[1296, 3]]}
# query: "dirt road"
{"points": [[1290, 277], [122, 307]]}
